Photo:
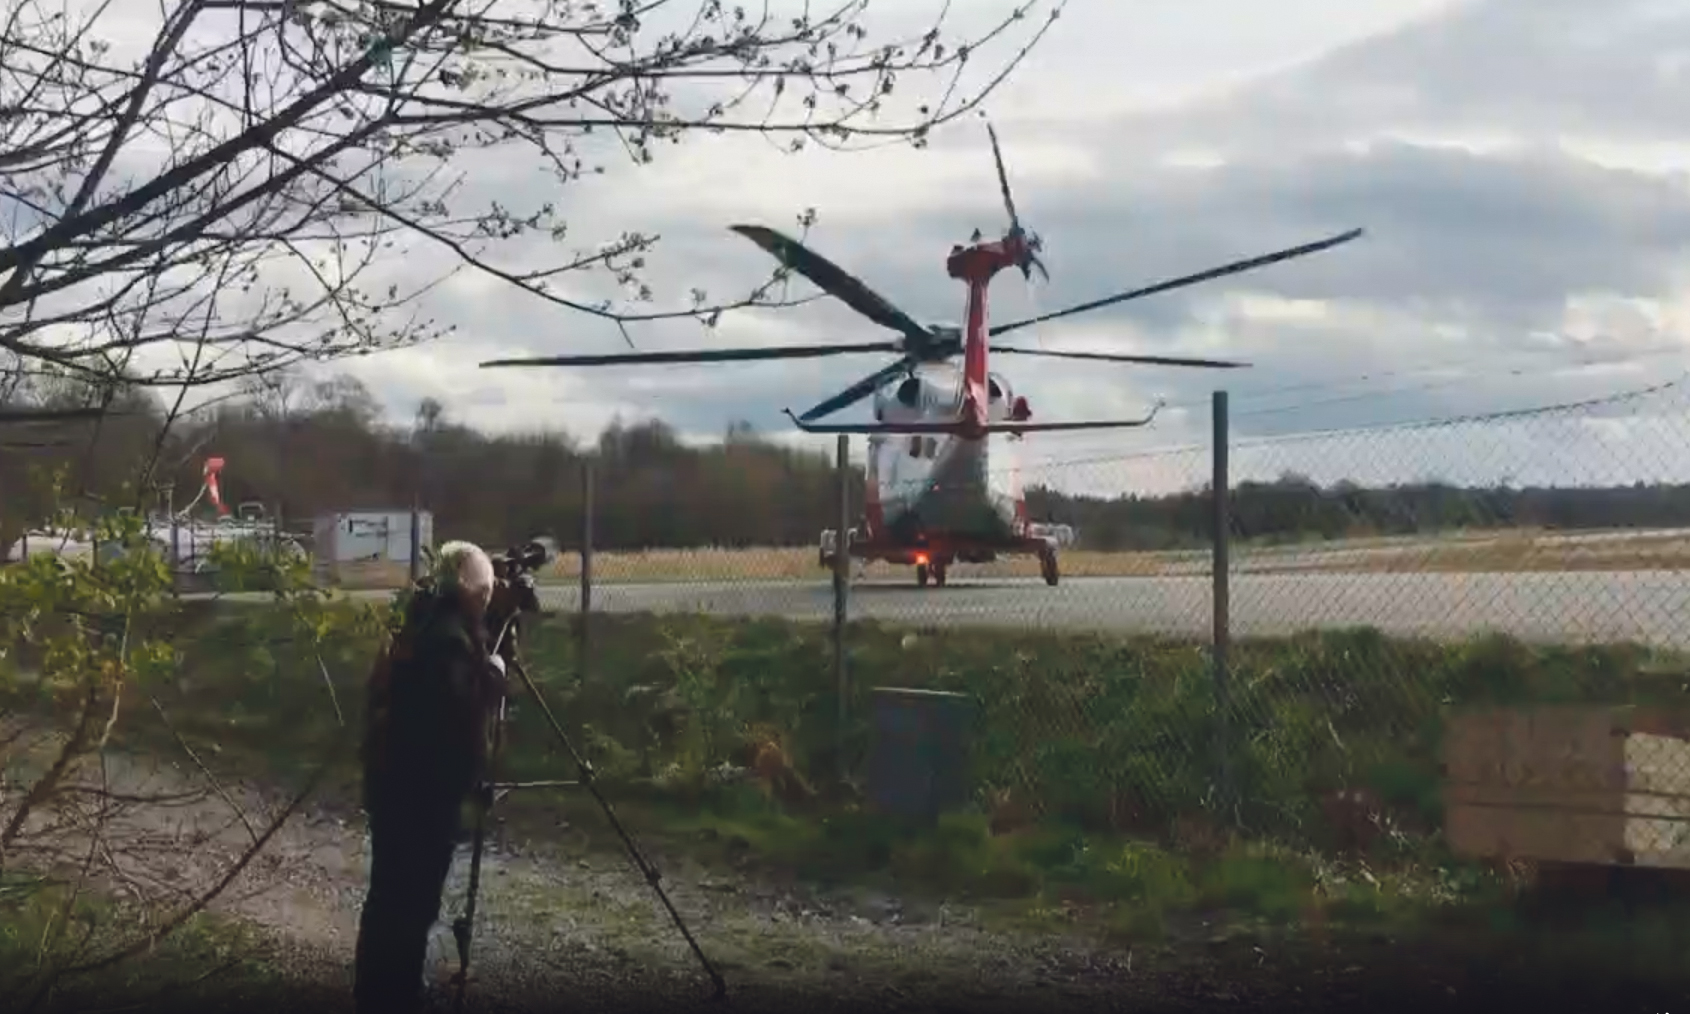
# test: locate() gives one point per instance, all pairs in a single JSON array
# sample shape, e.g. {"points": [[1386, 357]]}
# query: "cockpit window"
{"points": [[915, 447]]}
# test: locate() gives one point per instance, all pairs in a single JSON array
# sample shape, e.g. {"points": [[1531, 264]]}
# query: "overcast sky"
{"points": [[1515, 162]]}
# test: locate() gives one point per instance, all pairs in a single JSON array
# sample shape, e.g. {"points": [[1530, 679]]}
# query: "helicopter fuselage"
{"points": [[929, 487]]}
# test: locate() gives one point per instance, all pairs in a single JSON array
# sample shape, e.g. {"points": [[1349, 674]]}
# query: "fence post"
{"points": [[175, 539], [1220, 490], [416, 538], [841, 593], [584, 641]]}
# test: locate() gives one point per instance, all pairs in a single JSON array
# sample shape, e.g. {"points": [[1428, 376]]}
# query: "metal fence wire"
{"points": [[1378, 585], [1381, 592]]}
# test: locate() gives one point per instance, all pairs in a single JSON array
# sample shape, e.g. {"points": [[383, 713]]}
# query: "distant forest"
{"points": [[301, 449]]}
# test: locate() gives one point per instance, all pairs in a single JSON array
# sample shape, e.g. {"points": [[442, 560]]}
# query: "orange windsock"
{"points": [[212, 467]]}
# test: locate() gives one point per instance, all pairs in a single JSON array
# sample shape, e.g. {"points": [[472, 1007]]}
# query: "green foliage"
{"points": [[81, 627], [45, 925], [1111, 742], [1104, 735], [258, 564], [97, 648]]}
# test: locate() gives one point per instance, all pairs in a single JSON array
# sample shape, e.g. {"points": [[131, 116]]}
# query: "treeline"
{"points": [[299, 450], [1293, 508], [303, 449]]}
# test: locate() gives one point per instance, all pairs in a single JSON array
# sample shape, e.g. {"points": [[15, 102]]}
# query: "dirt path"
{"points": [[566, 927], [554, 919]]}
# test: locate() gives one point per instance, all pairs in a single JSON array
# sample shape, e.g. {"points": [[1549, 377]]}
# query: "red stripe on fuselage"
{"points": [[974, 398]]}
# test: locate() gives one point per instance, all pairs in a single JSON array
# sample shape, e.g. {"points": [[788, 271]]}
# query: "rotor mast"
{"points": [[976, 266]]}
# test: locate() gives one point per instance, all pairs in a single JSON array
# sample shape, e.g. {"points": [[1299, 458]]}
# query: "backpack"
{"points": [[430, 628]]}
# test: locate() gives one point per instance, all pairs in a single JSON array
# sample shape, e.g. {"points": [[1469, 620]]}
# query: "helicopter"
{"points": [[931, 499]]}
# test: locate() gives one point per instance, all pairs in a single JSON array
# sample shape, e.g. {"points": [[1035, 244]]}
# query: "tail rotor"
{"points": [[1030, 242]]}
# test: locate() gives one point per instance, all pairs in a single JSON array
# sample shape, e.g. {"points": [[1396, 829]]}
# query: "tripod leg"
{"points": [[639, 860], [463, 927]]}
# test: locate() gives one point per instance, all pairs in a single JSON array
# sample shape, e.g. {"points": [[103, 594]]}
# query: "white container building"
{"points": [[358, 536]]}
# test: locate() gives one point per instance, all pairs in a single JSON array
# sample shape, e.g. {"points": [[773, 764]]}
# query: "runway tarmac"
{"points": [[1570, 606], [1651, 607]]}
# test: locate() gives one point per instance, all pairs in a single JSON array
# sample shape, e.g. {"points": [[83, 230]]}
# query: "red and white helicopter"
{"points": [[941, 486]]}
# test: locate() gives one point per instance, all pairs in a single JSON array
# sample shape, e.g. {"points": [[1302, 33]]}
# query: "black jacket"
{"points": [[431, 694]]}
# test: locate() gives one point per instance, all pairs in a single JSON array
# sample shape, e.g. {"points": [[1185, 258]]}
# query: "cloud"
{"points": [[1542, 71], [1513, 162]]}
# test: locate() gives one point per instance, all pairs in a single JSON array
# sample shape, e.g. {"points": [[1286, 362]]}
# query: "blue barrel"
{"points": [[918, 758]]}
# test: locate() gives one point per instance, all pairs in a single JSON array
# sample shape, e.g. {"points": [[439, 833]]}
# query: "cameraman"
{"points": [[431, 694]]}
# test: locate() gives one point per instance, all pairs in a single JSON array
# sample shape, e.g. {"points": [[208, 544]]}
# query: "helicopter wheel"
{"points": [[1048, 569], [939, 574], [921, 575]]}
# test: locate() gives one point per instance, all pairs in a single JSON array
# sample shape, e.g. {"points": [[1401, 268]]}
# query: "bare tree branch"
{"points": [[244, 180]]}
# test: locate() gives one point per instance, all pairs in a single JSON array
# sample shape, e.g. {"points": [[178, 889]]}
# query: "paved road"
{"points": [[1646, 606]]}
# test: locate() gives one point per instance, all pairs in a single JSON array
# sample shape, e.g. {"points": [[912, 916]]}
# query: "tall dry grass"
{"points": [[1504, 552], [365, 575], [1497, 552], [802, 564]]}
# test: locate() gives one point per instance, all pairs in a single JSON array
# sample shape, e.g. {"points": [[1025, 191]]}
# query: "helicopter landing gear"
{"points": [[936, 571], [1048, 569]]}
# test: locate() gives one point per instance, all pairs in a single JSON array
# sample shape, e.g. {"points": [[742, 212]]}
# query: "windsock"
{"points": [[212, 467]]}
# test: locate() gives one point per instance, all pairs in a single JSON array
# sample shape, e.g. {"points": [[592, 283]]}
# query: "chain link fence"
{"points": [[1379, 585], [1448, 634]]}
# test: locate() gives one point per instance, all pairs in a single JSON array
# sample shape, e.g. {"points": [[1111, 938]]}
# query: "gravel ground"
{"points": [[562, 927]]}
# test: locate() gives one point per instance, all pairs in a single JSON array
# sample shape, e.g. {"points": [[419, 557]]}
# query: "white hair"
{"points": [[466, 569]]}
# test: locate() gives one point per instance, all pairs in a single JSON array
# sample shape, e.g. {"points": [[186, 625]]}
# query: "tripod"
{"points": [[491, 791]]}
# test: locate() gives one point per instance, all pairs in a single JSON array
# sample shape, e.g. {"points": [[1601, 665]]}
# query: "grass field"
{"points": [[1464, 552], [1092, 762], [1458, 552], [1076, 740], [42, 924]]}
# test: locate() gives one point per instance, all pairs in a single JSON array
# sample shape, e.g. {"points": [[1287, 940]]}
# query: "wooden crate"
{"points": [[1569, 784]]}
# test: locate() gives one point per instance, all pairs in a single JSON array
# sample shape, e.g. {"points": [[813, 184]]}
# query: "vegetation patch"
{"points": [[1094, 760], [45, 929]]}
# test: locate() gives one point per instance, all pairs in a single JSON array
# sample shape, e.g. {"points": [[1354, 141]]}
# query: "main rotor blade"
{"points": [[700, 355], [1177, 283], [833, 279], [1003, 179], [858, 391], [1221, 364]]}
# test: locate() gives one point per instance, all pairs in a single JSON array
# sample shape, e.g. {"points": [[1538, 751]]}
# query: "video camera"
{"points": [[514, 574], [513, 589]]}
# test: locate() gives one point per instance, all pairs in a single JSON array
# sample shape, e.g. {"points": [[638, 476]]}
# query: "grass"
{"points": [[205, 958], [1092, 759], [1107, 736], [802, 564], [1501, 551]]}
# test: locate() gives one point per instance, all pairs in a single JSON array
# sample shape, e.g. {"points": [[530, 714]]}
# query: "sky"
{"points": [[1517, 165]]}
